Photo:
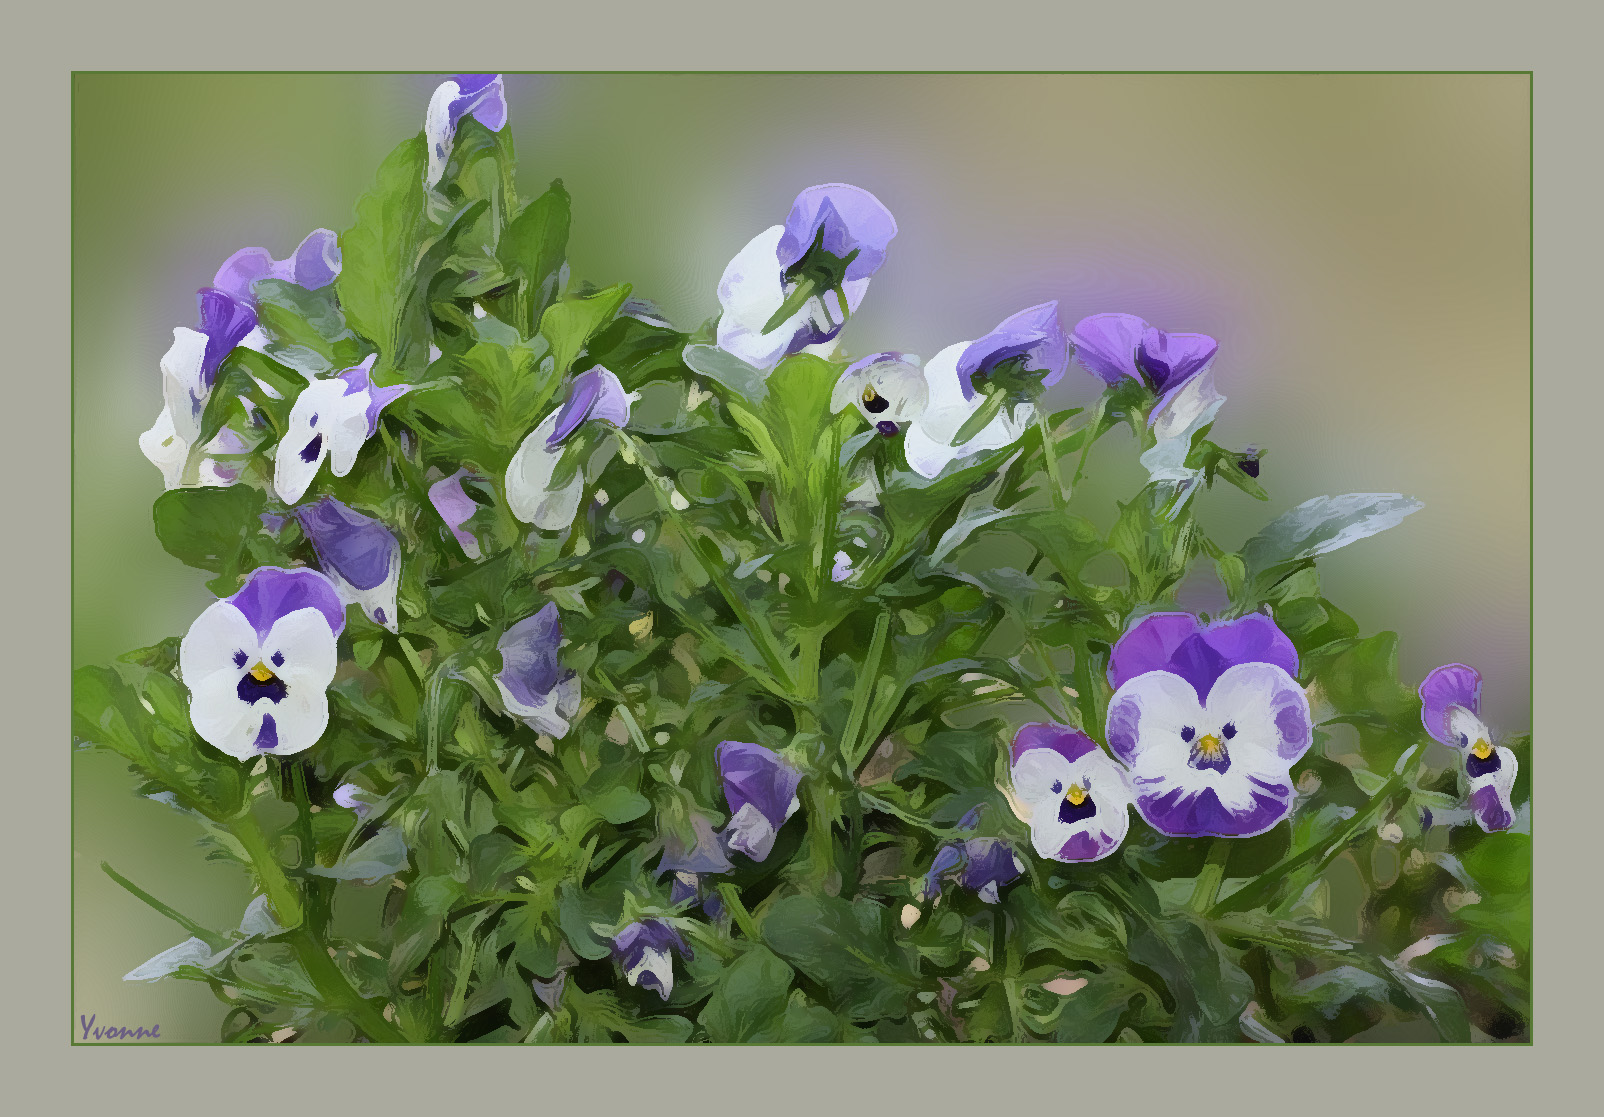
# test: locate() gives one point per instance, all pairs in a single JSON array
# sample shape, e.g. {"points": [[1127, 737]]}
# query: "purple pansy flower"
{"points": [[645, 952], [983, 865], [595, 394], [888, 389], [331, 418], [833, 241], [480, 96], [1210, 720], [534, 685], [1078, 798], [258, 664], [354, 798], [361, 556], [314, 264], [689, 863], [1450, 699], [1032, 337], [760, 787], [456, 508]]}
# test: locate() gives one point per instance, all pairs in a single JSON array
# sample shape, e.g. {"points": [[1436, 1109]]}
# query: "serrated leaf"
{"points": [[1322, 525], [533, 248], [379, 254], [567, 325]]}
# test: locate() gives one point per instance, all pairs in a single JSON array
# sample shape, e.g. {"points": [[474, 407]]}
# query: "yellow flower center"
{"points": [[1209, 747], [870, 395], [261, 672], [1482, 748], [1076, 794]]}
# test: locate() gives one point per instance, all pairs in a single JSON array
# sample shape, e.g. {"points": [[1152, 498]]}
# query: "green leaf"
{"points": [[208, 528], [619, 804], [379, 254], [849, 948], [750, 1002], [1092, 1013], [732, 376], [533, 248], [569, 324], [1324, 524], [1209, 987]]}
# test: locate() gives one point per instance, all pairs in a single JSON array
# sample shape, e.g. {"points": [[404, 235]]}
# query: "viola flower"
{"points": [[997, 373], [361, 556], [983, 865], [168, 452], [314, 264], [645, 952], [331, 418], [815, 267], [689, 863], [354, 798], [480, 96], [258, 664], [537, 491], [1210, 720], [1076, 796], [760, 787], [888, 389], [1450, 708], [456, 507], [533, 683]]}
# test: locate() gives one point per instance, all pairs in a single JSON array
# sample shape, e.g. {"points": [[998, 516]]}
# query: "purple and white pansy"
{"points": [[1209, 719], [481, 96], [645, 952], [1026, 349], [888, 389], [456, 508], [1078, 798], [982, 865], [1450, 708], [314, 264], [331, 419], [538, 493], [361, 556], [760, 787], [258, 664], [534, 685], [818, 264]]}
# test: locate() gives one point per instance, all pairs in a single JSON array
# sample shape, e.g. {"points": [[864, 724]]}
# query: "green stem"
{"points": [[794, 302], [210, 938], [865, 688], [1207, 888], [281, 895], [470, 948], [1049, 452], [743, 918], [337, 992]]}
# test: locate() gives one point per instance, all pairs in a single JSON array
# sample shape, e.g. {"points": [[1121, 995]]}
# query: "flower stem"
{"points": [[1207, 888], [281, 895], [860, 698], [742, 917], [337, 992]]}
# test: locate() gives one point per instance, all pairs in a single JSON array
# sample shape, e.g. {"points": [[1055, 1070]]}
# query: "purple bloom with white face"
{"points": [[819, 262], [456, 508], [534, 685], [1078, 798], [645, 952], [982, 865], [689, 863], [536, 492], [760, 787], [480, 96], [1029, 346], [258, 664], [314, 264], [1450, 699], [888, 389], [330, 419], [361, 556], [1210, 720]]}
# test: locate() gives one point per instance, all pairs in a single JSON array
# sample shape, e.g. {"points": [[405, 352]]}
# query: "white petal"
{"points": [[529, 474], [1190, 409], [550, 714], [165, 450], [308, 647], [1270, 713], [750, 832], [1503, 780], [660, 963], [190, 952], [437, 129], [750, 291], [299, 720], [928, 438], [322, 413], [222, 718], [181, 381], [1034, 774], [1467, 726], [379, 603], [214, 639]]}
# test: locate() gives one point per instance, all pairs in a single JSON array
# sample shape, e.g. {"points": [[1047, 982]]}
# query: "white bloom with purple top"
{"points": [[1078, 798], [481, 96], [537, 493], [888, 389], [645, 952], [258, 664], [361, 556], [1209, 719], [1450, 708], [331, 419], [760, 787], [534, 685], [819, 262]]}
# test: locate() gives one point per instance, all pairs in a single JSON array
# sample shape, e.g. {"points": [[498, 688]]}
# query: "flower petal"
{"points": [[851, 220], [271, 593], [1033, 333], [1172, 359], [456, 508], [750, 291], [529, 494], [1453, 684], [1106, 345]]}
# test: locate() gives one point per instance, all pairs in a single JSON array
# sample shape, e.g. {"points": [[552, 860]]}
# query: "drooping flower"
{"points": [[354, 798], [1450, 708], [164, 448], [888, 389], [314, 264], [258, 664], [537, 491], [760, 787], [480, 96], [645, 952], [361, 556], [534, 685], [456, 507], [1078, 798], [689, 863], [818, 264], [999, 372], [331, 418], [1210, 720], [982, 865]]}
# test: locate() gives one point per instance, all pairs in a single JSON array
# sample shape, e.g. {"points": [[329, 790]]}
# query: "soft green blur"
{"points": [[1358, 244]]}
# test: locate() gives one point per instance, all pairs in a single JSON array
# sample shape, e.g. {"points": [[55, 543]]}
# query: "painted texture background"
{"points": [[1358, 244]]}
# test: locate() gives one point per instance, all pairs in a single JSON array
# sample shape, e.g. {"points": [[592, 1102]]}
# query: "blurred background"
{"points": [[1357, 243]]}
